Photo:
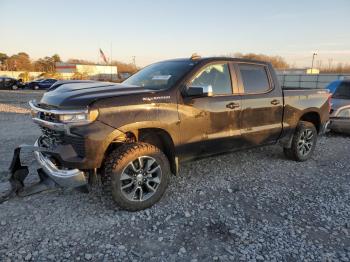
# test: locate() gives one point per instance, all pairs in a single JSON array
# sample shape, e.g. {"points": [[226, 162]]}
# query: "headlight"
{"points": [[79, 118]]}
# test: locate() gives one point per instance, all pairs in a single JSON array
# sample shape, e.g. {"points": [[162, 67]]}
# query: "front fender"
{"points": [[171, 129]]}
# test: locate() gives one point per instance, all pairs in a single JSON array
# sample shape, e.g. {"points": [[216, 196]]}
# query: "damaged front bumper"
{"points": [[49, 173], [63, 177]]}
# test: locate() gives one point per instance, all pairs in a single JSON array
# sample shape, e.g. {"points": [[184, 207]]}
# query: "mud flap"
{"points": [[19, 174]]}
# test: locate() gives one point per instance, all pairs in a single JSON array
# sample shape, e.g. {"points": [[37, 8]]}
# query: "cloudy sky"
{"points": [[156, 30]]}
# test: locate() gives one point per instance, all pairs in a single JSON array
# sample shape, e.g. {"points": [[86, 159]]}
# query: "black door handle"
{"points": [[275, 102], [232, 105]]}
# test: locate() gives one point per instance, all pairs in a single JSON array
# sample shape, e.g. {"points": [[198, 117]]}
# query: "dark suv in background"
{"points": [[10, 83], [45, 83]]}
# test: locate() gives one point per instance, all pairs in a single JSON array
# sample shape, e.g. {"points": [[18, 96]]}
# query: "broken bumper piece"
{"points": [[63, 177], [50, 175]]}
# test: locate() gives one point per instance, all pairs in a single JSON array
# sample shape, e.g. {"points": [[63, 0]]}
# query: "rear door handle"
{"points": [[232, 105], [275, 102]]}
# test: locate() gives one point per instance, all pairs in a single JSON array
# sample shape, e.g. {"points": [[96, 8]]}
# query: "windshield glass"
{"points": [[161, 75]]}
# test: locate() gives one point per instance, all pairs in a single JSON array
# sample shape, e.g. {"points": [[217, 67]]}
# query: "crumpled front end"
{"points": [[62, 176], [52, 146], [69, 151], [50, 174]]}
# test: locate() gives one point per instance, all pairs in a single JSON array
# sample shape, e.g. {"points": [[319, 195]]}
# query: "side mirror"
{"points": [[194, 91], [199, 91]]}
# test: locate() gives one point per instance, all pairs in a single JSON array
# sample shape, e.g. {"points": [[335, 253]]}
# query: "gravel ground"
{"points": [[252, 205]]}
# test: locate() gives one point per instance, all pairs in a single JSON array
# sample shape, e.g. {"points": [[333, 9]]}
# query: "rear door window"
{"points": [[254, 78]]}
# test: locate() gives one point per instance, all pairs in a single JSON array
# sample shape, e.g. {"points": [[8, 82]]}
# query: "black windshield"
{"points": [[162, 75]]}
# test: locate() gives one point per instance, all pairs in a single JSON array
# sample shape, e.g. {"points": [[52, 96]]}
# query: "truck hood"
{"points": [[77, 95]]}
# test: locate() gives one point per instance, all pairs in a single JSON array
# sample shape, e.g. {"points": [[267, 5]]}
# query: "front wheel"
{"points": [[139, 175], [303, 143], [14, 87], [36, 87]]}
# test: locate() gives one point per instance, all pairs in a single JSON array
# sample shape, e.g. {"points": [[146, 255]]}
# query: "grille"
{"points": [[48, 117], [53, 138]]}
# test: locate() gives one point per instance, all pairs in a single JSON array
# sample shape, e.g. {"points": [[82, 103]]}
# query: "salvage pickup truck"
{"points": [[133, 135]]}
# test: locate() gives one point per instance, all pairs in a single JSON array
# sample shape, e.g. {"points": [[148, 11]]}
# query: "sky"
{"points": [[156, 30]]}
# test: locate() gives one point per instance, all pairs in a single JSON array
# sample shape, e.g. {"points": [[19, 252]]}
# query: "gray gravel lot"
{"points": [[252, 205]]}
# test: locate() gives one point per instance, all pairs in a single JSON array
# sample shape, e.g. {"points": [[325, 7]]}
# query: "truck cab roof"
{"points": [[217, 58]]}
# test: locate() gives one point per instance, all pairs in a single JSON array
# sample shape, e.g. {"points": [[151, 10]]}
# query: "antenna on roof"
{"points": [[195, 56]]}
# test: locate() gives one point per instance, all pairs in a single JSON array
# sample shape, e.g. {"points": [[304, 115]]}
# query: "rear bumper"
{"points": [[63, 177]]}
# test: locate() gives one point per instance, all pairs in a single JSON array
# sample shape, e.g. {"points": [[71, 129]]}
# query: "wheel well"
{"points": [[154, 136], [314, 118], [161, 139]]}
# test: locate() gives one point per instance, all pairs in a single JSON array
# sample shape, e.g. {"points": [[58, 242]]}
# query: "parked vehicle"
{"points": [[134, 135], [45, 83], [333, 85], [340, 103], [10, 83]]}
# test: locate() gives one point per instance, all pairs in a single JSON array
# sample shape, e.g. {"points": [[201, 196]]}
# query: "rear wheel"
{"points": [[14, 87], [36, 87], [303, 143], [139, 175]]}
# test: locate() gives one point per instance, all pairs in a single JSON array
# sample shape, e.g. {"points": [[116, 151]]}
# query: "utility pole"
{"points": [[313, 58], [111, 62]]}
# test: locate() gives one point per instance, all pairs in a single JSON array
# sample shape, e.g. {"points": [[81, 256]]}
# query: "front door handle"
{"points": [[232, 105], [275, 102]]}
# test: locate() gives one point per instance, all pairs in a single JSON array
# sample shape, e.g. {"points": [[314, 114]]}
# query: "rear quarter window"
{"points": [[254, 78]]}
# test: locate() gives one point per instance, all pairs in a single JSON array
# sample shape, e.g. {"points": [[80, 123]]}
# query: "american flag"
{"points": [[103, 56]]}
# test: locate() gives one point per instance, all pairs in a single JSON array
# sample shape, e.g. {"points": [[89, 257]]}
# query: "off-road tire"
{"points": [[294, 153], [118, 159]]}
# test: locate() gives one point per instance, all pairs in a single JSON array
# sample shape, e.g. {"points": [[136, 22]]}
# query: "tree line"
{"points": [[23, 62], [279, 62]]}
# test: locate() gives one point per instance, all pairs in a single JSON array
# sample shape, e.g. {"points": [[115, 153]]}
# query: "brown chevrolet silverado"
{"points": [[133, 135]]}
